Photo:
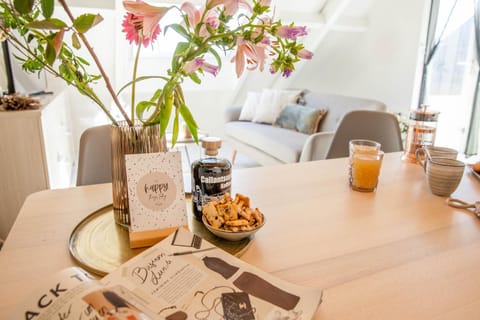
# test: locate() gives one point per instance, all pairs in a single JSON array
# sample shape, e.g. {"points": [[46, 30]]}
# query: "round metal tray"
{"points": [[100, 246]]}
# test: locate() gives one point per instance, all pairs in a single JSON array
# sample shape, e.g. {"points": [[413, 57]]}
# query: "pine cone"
{"points": [[16, 102]]}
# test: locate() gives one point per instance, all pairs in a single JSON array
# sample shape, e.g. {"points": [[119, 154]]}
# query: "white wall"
{"points": [[380, 63]]}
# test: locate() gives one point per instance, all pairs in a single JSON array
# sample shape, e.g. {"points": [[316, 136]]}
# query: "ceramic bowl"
{"points": [[231, 235]]}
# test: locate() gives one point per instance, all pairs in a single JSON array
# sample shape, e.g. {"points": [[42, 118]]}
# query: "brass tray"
{"points": [[100, 246]]}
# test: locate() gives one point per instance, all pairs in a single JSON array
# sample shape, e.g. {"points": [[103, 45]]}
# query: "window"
{"points": [[452, 72]]}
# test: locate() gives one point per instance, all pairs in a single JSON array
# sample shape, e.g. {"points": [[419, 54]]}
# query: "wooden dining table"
{"points": [[397, 253]]}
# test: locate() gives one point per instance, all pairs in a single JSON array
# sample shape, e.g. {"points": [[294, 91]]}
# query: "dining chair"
{"points": [[379, 126], [94, 156]]}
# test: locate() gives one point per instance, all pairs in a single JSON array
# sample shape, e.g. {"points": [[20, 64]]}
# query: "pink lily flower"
{"points": [[264, 3], [199, 63], [211, 19], [254, 55], [305, 54], [194, 15], [149, 15], [132, 24], [231, 6], [289, 32]]}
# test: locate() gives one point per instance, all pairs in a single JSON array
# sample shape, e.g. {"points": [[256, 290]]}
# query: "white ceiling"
{"points": [[353, 8], [309, 6], [283, 8]]}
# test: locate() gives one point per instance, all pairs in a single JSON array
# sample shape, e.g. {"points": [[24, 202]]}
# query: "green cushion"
{"points": [[300, 118]]}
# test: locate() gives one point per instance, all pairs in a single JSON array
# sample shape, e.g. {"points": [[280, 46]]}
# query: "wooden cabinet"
{"points": [[35, 149]]}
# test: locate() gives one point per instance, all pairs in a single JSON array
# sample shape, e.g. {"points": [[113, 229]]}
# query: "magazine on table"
{"points": [[181, 277]]}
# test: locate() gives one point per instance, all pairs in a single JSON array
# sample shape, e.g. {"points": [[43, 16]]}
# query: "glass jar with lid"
{"points": [[422, 129]]}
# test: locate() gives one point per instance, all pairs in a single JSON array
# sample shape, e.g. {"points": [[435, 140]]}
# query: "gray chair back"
{"points": [[94, 158], [379, 126]]}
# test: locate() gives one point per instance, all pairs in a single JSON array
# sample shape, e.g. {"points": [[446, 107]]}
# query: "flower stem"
{"points": [[135, 67], [99, 65]]}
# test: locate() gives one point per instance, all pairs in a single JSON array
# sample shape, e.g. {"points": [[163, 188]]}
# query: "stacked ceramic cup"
{"points": [[443, 171]]}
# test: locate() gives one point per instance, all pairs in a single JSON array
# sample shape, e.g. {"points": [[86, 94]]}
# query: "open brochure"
{"points": [[181, 277]]}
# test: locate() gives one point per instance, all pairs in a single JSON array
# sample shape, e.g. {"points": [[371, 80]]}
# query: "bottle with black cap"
{"points": [[211, 176]]}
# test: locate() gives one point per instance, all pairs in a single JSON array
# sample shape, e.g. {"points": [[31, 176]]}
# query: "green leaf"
{"points": [[86, 21], [47, 8], [143, 106], [195, 77], [156, 95], [83, 61], [179, 29], [23, 6], [181, 48], [48, 24], [50, 53], [165, 112], [138, 80], [175, 128], [189, 121], [76, 42], [217, 57]]}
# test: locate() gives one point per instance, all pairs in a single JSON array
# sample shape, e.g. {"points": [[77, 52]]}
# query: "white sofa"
{"points": [[268, 144]]}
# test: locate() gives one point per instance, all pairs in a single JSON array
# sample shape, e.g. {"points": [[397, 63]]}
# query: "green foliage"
{"points": [[47, 8], [75, 41], [23, 6], [86, 21], [48, 24], [180, 30]]}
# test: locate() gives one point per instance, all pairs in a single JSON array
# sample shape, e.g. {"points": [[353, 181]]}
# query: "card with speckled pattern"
{"points": [[155, 190]]}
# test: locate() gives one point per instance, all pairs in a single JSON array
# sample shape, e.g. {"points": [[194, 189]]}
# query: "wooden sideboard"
{"points": [[35, 146]]}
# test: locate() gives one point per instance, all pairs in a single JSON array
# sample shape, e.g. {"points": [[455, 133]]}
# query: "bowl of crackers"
{"points": [[232, 218]]}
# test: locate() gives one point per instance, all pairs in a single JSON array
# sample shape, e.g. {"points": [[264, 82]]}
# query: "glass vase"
{"points": [[130, 140]]}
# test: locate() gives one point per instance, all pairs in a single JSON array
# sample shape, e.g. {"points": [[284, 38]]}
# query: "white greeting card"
{"points": [[155, 191]]}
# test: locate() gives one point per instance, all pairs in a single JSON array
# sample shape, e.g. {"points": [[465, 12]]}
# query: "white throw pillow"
{"points": [[272, 103], [250, 106]]}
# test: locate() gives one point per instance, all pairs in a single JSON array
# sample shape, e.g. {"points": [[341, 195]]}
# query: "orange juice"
{"points": [[365, 171], [364, 164]]}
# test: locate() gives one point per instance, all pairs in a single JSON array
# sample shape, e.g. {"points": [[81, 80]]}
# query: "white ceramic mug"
{"points": [[431, 151], [443, 175]]}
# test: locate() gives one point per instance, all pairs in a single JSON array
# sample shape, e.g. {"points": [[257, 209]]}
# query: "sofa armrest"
{"points": [[232, 113], [316, 146]]}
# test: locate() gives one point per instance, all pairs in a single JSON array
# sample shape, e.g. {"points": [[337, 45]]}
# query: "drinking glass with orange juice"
{"points": [[364, 164]]}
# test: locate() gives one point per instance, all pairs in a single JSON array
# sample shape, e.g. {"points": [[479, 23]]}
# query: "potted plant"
{"points": [[255, 38]]}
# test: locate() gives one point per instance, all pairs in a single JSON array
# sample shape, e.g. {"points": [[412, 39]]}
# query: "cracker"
{"points": [[232, 214], [228, 211]]}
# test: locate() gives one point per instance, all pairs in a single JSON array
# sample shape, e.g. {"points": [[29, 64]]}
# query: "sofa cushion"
{"points": [[250, 106], [300, 118], [272, 103], [282, 144]]}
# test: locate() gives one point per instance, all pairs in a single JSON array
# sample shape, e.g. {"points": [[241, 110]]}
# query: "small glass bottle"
{"points": [[211, 176]]}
